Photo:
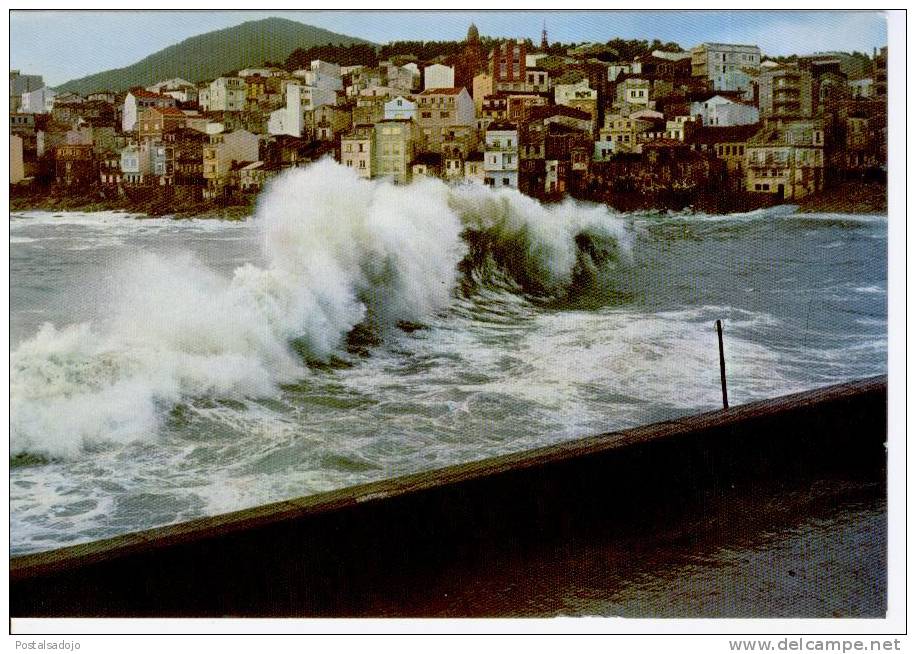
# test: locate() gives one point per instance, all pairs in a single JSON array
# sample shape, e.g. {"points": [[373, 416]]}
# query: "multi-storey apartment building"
{"points": [[156, 121], [508, 66], [728, 67], [786, 159], [221, 153], [440, 111], [137, 100], [397, 141], [357, 149], [227, 94], [501, 158]]}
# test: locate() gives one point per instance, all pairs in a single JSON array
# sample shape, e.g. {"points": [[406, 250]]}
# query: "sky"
{"points": [[63, 45]]}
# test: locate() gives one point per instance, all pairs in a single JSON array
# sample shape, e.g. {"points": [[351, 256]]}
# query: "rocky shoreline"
{"points": [[847, 197]]}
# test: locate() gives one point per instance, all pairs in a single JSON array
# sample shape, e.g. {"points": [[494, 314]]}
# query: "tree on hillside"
{"points": [[345, 55]]}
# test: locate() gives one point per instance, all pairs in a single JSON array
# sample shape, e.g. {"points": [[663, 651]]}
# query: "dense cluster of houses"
{"points": [[720, 116]]}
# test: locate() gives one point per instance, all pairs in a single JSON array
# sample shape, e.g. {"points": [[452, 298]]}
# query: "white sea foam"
{"points": [[340, 251]]}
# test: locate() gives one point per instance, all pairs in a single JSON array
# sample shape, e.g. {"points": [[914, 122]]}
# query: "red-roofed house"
{"points": [[138, 99], [153, 122]]}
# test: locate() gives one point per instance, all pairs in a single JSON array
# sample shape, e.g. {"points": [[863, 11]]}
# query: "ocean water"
{"points": [[351, 331]]}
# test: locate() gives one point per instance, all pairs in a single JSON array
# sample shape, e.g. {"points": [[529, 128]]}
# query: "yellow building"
{"points": [[357, 149], [786, 159]]}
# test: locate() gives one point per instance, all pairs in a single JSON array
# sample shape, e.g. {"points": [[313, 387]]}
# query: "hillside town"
{"points": [[720, 126]]}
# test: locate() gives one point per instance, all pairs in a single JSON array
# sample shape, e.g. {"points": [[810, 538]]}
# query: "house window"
{"points": [[505, 181], [427, 114]]}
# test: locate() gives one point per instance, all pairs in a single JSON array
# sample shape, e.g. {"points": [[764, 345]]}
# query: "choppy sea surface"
{"points": [[163, 370]]}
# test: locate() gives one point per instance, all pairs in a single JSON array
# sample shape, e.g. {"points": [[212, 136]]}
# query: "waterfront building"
{"points": [[219, 155], [17, 160], [186, 147], [501, 155], [786, 160], [426, 164], [253, 176], [136, 163], [397, 141], [440, 111], [357, 149], [473, 168], [74, 166]]}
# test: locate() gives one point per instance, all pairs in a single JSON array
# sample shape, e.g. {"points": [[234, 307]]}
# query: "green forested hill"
{"points": [[213, 54]]}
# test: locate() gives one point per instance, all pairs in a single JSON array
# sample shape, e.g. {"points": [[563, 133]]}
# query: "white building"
{"points": [[292, 119], [39, 101], [438, 76], [136, 101], [500, 157], [636, 92], [724, 112], [729, 67], [180, 89], [136, 163], [613, 70], [400, 107], [858, 88], [319, 78], [227, 94], [168, 85], [325, 68], [563, 93]]}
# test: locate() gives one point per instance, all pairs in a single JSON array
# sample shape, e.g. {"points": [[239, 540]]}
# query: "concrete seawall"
{"points": [[399, 547]]}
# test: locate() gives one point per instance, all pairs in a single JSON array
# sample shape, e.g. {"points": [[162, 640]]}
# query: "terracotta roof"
{"points": [[443, 91], [549, 111], [732, 134], [664, 143], [502, 127], [143, 93], [170, 111]]}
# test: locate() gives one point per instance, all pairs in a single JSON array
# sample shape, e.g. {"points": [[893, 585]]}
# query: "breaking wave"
{"points": [[341, 253]]}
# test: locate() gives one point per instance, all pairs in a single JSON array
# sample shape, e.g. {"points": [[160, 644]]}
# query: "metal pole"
{"points": [[722, 365]]}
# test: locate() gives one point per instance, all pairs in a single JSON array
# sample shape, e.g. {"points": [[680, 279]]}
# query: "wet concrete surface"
{"points": [[815, 551]]}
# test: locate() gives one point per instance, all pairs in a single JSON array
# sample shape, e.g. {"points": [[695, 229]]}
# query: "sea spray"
{"points": [[340, 252]]}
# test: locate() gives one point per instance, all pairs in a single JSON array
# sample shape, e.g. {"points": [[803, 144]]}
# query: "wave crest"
{"points": [[341, 252]]}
